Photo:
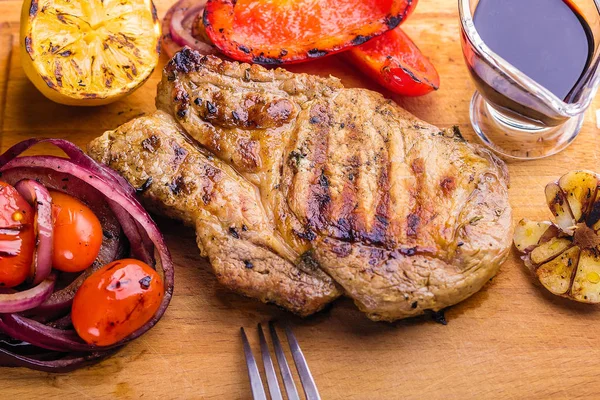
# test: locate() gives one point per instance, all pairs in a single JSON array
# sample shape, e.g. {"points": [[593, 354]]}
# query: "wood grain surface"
{"points": [[512, 340]]}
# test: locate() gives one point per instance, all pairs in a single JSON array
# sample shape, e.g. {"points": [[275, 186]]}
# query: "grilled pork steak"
{"points": [[301, 190]]}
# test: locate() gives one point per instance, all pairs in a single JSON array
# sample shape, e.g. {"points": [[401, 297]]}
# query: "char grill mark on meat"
{"points": [[205, 193], [382, 202]]}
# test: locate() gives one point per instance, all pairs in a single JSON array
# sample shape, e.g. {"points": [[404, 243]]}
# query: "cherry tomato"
{"points": [[77, 234], [17, 237], [115, 301]]}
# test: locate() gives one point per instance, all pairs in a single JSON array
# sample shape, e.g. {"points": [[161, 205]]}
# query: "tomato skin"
{"points": [[17, 237], [77, 234], [115, 301]]}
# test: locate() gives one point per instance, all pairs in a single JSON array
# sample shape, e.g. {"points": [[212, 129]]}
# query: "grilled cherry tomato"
{"points": [[396, 63], [115, 301], [17, 237], [77, 234]]}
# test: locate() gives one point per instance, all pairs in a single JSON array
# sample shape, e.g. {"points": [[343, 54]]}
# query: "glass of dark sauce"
{"points": [[535, 64]]}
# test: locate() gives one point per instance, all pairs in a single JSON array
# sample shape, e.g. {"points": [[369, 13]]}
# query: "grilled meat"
{"points": [[186, 182], [301, 190]]}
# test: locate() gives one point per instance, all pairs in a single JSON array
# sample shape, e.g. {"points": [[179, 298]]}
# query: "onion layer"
{"points": [[39, 197], [27, 299], [113, 243], [178, 23], [147, 244]]}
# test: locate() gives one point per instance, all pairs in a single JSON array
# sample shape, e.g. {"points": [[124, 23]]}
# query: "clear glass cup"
{"points": [[511, 113]]}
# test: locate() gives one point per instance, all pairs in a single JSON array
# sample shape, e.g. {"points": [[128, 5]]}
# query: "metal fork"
{"points": [[258, 391]]}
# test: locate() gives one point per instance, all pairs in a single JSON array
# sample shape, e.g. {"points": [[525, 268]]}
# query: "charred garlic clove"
{"points": [[593, 215], [557, 201], [566, 257], [579, 187]]}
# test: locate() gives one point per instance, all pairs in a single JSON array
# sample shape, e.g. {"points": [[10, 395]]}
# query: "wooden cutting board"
{"points": [[511, 340]]}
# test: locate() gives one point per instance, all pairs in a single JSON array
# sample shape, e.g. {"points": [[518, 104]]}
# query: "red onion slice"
{"points": [[27, 299], [41, 335], [178, 23], [124, 200], [39, 197], [139, 249], [59, 303], [141, 229], [51, 362], [113, 243], [74, 153]]}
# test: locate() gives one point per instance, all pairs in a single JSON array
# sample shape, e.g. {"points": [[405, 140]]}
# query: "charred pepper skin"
{"points": [[250, 43]]}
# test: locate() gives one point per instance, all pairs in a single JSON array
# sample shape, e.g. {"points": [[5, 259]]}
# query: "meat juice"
{"points": [[547, 40]]}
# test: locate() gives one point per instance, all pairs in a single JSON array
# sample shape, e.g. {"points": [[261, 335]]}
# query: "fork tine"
{"points": [[269, 369], [308, 383], [286, 374], [258, 392]]}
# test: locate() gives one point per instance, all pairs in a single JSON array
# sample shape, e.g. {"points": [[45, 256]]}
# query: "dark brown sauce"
{"points": [[547, 40]]}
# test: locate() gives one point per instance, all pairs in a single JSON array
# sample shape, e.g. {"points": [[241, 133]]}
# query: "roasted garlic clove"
{"points": [[549, 250], [528, 234], [566, 257], [593, 214], [558, 204], [586, 285], [580, 189], [556, 274]]}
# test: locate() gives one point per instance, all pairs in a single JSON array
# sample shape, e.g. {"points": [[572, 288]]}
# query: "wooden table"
{"points": [[511, 340]]}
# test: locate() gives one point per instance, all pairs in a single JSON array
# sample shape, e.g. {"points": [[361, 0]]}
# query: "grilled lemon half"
{"points": [[89, 52]]}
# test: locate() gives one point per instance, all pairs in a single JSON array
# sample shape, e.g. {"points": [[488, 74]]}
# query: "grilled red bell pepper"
{"points": [[396, 63], [411, 7], [283, 31]]}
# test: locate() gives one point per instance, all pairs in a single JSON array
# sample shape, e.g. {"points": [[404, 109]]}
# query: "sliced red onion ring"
{"points": [[27, 299], [139, 248], [113, 243], [75, 154], [41, 335], [59, 303], [178, 23], [62, 323], [137, 225], [124, 200], [39, 197], [51, 361]]}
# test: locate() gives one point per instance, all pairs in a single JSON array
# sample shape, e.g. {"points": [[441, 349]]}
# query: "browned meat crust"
{"points": [[182, 181], [403, 216]]}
